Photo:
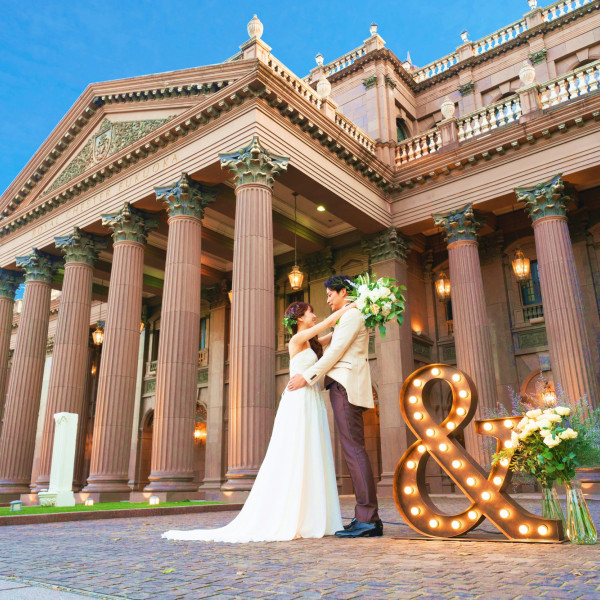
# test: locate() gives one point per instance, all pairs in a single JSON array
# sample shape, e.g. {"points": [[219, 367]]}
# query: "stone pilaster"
{"points": [[177, 366], [570, 356], [395, 362], [252, 343], [17, 442], [118, 369], [215, 426], [68, 373], [473, 342], [9, 282]]}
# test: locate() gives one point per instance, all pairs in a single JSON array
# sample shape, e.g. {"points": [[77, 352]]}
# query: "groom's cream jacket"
{"points": [[346, 360]]}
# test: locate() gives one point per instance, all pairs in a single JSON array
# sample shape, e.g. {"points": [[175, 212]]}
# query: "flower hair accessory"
{"points": [[288, 322]]}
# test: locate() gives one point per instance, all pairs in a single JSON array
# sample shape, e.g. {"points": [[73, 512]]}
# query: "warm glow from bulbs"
{"points": [[471, 481], [473, 515], [408, 489], [430, 432], [523, 529], [435, 372], [433, 523], [411, 464], [321, 208], [296, 277], [486, 495], [508, 444], [443, 447], [418, 416], [154, 500], [413, 399], [504, 462], [497, 480], [543, 530], [443, 288], [421, 448], [415, 510], [417, 383], [450, 425], [487, 426], [508, 424], [98, 335], [89, 502], [456, 464], [461, 411], [463, 394], [456, 377], [455, 524], [504, 513], [521, 267]]}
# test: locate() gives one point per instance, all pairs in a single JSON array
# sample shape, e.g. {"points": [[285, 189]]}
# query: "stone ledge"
{"points": [[115, 514]]}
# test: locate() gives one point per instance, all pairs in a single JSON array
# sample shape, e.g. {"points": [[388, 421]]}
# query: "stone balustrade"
{"points": [[578, 82], [354, 131], [489, 42], [419, 146], [344, 61], [436, 67], [489, 118], [561, 8], [299, 86], [535, 311]]}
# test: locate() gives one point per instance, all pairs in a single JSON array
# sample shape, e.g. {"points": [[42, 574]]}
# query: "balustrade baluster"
{"points": [[411, 151], [461, 131], [438, 140], [476, 126], [404, 155], [508, 112], [483, 121], [424, 150], [581, 83], [563, 94], [592, 80], [572, 88], [417, 148], [518, 110], [553, 87], [493, 119], [431, 144], [468, 130]]}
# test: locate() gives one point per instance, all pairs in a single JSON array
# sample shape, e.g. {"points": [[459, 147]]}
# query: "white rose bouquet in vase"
{"points": [[379, 300], [545, 446]]}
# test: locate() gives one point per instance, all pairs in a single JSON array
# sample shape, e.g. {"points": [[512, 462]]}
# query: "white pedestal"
{"points": [[60, 492]]}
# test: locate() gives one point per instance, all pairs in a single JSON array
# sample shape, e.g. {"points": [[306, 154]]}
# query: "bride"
{"points": [[295, 492]]}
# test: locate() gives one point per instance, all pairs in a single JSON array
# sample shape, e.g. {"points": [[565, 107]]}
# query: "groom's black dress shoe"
{"points": [[359, 529]]}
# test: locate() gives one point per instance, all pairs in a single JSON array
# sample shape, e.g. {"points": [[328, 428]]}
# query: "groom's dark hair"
{"points": [[338, 282]]}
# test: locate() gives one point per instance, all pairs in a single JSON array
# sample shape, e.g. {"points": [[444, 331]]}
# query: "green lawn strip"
{"points": [[42, 510]]}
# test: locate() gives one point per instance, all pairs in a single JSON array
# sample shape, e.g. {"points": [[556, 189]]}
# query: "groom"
{"points": [[346, 365]]}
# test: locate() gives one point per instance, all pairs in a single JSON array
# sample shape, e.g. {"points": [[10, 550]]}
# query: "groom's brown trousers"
{"points": [[350, 427]]}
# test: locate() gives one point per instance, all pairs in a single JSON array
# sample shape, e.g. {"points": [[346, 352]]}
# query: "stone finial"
{"points": [[130, 224], [373, 28], [459, 225], [9, 282], [323, 88], [464, 36], [547, 199], [319, 59], [532, 4], [255, 28], [254, 164], [448, 109], [386, 245], [39, 266], [186, 197], [527, 73], [80, 246]]}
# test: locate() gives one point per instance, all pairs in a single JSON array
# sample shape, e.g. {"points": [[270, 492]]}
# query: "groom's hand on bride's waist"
{"points": [[296, 382]]}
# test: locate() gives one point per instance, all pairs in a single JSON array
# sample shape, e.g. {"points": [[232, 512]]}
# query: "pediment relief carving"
{"points": [[110, 138]]}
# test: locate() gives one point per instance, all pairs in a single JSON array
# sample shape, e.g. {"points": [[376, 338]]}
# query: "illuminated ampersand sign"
{"points": [[486, 492]]}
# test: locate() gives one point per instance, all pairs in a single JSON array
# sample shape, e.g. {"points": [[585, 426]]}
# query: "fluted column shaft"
{"points": [[177, 365], [69, 358], [473, 342], [118, 370], [7, 306], [17, 443], [572, 364], [252, 342]]}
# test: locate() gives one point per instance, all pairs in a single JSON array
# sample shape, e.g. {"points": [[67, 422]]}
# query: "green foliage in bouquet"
{"points": [[288, 321], [379, 300]]}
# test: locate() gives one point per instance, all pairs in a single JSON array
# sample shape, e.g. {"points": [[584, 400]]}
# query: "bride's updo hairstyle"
{"points": [[296, 310]]}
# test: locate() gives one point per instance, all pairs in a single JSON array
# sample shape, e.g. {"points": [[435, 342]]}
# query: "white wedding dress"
{"points": [[295, 492]]}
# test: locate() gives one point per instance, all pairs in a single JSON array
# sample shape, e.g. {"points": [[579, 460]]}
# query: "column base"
{"points": [[590, 479], [8, 488], [7, 497], [39, 485], [229, 497], [239, 482], [108, 484], [99, 497], [171, 484], [171, 496]]}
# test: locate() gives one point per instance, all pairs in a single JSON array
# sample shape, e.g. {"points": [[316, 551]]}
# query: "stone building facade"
{"points": [[163, 207]]}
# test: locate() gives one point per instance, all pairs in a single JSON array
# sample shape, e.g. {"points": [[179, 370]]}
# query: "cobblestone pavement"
{"points": [[126, 558]]}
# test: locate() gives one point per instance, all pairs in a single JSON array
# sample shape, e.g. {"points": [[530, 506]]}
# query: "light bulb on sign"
{"points": [[508, 424], [433, 523], [430, 432], [421, 448], [504, 513], [471, 481], [463, 394], [487, 426], [456, 464], [455, 524], [435, 372], [497, 480], [417, 383], [473, 515], [443, 447], [413, 399], [456, 377], [411, 464], [523, 529], [418, 416], [486, 495], [461, 411], [408, 489], [415, 510], [543, 530], [450, 425]]}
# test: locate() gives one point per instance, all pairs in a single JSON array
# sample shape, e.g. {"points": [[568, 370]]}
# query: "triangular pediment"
{"points": [[111, 137]]}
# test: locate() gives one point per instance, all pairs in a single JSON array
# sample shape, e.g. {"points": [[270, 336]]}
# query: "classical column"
{"points": [[70, 356], [215, 425], [252, 342], [572, 364], [9, 282], [118, 368], [17, 443], [472, 339], [177, 365], [387, 257]]}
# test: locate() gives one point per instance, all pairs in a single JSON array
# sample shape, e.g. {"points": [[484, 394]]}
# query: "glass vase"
{"points": [[551, 508], [580, 527]]}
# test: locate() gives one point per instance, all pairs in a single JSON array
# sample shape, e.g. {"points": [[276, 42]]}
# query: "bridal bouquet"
{"points": [[543, 445], [379, 301]]}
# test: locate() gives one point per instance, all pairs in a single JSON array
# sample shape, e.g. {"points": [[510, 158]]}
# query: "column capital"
{"points": [[186, 197], [80, 246], [9, 282], [318, 265], [459, 225], [130, 224], [216, 295], [546, 199], [386, 245], [254, 164], [39, 266]]}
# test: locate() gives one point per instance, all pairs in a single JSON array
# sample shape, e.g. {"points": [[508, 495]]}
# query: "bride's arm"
{"points": [[325, 339], [303, 336]]}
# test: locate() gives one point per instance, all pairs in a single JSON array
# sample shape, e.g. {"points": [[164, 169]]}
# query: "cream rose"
{"points": [[568, 434], [563, 411], [551, 442], [532, 414]]}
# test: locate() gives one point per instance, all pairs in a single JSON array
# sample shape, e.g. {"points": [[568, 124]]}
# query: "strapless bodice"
{"points": [[302, 361]]}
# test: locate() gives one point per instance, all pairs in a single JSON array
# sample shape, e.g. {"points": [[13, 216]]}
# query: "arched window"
{"points": [[401, 130]]}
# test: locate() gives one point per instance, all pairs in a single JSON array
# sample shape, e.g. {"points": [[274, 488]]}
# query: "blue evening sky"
{"points": [[52, 49]]}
